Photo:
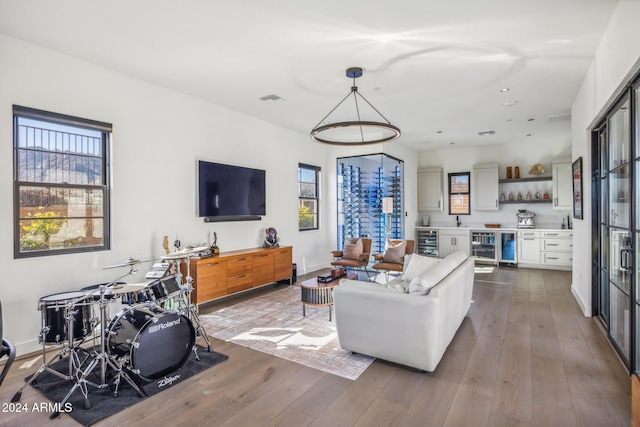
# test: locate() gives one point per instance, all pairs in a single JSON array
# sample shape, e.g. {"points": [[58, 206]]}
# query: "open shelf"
{"points": [[506, 202], [538, 178]]}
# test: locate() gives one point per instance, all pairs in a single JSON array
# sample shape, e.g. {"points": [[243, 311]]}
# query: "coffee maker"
{"points": [[526, 219]]}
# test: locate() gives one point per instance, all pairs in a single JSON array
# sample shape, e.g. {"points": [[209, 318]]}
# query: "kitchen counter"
{"points": [[507, 227]]}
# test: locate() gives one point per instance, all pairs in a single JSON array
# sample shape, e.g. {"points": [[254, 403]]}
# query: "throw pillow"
{"points": [[352, 249], [395, 254], [418, 264], [422, 284]]}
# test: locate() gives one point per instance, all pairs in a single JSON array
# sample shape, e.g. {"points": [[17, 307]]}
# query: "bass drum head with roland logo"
{"points": [[158, 342]]}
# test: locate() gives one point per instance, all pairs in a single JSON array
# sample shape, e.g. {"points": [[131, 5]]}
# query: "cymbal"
{"points": [[127, 263], [120, 289], [184, 253]]}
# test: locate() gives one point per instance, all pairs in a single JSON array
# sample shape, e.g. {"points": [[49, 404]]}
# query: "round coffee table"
{"points": [[321, 293]]}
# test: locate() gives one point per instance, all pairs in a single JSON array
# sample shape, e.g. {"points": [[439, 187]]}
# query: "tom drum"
{"points": [[56, 308]]}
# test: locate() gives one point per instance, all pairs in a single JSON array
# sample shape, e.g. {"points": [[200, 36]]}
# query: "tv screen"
{"points": [[226, 190]]}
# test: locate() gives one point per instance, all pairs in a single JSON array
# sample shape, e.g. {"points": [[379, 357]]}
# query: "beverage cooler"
{"points": [[483, 246], [508, 248]]}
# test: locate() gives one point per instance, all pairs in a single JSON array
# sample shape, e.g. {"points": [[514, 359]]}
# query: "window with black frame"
{"points": [[308, 194], [460, 193], [61, 191]]}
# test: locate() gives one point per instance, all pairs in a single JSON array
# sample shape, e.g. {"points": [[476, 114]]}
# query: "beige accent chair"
{"points": [[390, 261], [350, 259]]}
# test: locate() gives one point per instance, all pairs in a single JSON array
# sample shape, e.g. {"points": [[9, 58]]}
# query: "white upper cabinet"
{"points": [[485, 187], [562, 185], [430, 190]]}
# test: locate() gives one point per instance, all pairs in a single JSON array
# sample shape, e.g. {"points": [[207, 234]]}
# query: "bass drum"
{"points": [[156, 341]]}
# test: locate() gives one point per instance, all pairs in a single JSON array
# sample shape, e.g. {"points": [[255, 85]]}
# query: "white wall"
{"points": [[615, 62], [521, 153], [158, 136]]}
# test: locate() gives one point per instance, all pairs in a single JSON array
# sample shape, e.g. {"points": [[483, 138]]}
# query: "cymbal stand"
{"points": [[68, 347], [192, 310]]}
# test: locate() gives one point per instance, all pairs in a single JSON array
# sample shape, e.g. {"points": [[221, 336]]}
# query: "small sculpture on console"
{"points": [[214, 246], [271, 238]]}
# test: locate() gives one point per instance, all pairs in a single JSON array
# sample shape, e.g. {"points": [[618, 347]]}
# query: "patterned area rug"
{"points": [[273, 323]]}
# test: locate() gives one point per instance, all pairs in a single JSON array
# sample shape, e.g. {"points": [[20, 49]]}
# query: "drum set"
{"points": [[152, 335]]}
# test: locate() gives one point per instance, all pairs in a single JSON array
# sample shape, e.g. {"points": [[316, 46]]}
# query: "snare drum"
{"points": [[57, 308], [134, 293]]}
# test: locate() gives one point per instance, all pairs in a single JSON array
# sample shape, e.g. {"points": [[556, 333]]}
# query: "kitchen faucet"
{"points": [[458, 222]]}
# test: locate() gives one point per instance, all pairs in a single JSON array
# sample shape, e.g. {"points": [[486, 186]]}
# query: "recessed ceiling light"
{"points": [[439, 131], [509, 120], [529, 134], [504, 89], [510, 103], [530, 120], [451, 143], [487, 132]]}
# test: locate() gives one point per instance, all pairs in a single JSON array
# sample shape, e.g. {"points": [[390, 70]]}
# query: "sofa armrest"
{"points": [[378, 257], [337, 254]]}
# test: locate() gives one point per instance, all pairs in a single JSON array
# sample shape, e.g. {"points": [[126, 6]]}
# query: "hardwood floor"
{"points": [[524, 356]]}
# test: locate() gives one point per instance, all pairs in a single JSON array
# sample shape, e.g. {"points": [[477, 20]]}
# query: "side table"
{"points": [[321, 293]]}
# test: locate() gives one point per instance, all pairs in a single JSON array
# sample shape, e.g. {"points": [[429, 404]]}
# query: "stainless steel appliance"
{"points": [[526, 219]]}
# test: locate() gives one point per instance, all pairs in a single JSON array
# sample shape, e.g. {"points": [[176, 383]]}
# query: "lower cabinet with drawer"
{"points": [[556, 248], [236, 271], [551, 249]]}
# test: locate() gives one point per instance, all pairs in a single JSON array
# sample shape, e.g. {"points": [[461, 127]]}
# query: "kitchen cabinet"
{"points": [[528, 247], [562, 185], [556, 248], [430, 189], [451, 240], [485, 187]]}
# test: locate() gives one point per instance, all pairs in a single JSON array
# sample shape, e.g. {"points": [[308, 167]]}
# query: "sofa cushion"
{"points": [[422, 284], [416, 265], [395, 285], [352, 249], [395, 253], [455, 259]]}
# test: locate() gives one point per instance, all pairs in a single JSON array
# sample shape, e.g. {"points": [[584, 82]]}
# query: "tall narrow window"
{"points": [[308, 194], [459, 193], [61, 193]]}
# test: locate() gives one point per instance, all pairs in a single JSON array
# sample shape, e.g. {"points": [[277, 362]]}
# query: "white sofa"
{"points": [[397, 321]]}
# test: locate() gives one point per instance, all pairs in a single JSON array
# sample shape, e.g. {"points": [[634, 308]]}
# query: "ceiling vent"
{"points": [[559, 118], [487, 132], [271, 97]]}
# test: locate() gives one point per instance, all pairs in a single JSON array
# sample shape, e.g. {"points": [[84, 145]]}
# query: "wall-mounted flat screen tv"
{"points": [[230, 191]]}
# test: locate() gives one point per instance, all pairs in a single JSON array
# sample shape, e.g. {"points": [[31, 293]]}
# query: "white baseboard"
{"points": [[586, 308]]}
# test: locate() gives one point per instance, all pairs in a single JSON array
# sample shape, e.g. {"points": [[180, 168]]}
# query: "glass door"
{"points": [[617, 227]]}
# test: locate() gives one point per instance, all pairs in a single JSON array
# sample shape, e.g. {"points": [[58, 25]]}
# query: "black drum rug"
{"points": [[102, 400]]}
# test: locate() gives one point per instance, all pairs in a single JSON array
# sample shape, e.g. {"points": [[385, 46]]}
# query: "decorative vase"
{"points": [[508, 172], [517, 172]]}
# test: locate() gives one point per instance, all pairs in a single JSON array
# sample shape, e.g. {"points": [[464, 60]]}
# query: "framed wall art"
{"points": [[576, 170]]}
